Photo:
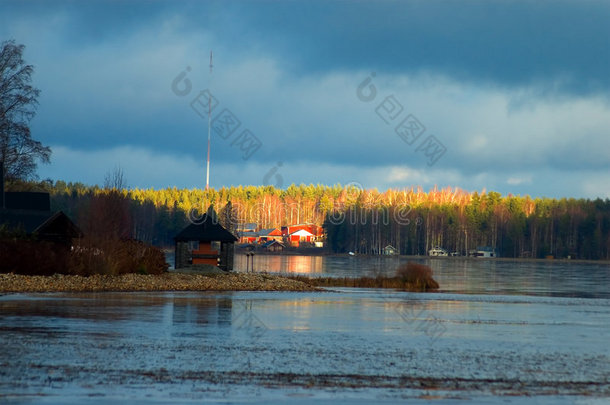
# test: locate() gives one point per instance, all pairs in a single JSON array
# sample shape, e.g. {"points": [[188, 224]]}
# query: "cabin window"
{"points": [[215, 245], [193, 245]]}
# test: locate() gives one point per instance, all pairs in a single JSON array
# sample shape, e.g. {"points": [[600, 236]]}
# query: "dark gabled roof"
{"points": [[272, 242], [59, 225], [206, 230], [43, 223]]}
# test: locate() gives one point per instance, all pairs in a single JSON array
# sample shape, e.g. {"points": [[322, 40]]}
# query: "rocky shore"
{"points": [[163, 282]]}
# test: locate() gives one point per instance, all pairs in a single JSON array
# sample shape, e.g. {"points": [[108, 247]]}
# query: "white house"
{"points": [[438, 251], [486, 251]]}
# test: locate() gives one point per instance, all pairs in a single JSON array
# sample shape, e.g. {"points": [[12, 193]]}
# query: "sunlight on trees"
{"points": [[365, 221]]}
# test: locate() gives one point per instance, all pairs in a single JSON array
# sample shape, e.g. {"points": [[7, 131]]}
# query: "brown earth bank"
{"points": [[410, 276], [10, 282], [15, 283]]}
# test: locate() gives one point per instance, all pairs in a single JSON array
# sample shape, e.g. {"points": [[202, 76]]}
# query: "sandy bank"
{"points": [[164, 282]]}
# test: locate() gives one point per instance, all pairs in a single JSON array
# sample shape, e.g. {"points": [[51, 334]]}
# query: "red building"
{"points": [[248, 237], [313, 229], [266, 235], [300, 236]]}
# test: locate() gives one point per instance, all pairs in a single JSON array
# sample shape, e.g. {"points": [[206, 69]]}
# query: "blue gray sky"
{"points": [[511, 96]]}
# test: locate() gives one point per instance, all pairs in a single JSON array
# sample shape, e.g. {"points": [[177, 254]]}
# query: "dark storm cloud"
{"points": [[89, 22], [515, 90], [505, 42]]}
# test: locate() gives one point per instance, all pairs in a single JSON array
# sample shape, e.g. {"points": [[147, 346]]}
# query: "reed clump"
{"points": [[418, 276], [411, 277]]}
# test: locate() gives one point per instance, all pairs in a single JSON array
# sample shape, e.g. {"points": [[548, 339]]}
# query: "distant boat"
{"points": [[351, 253]]}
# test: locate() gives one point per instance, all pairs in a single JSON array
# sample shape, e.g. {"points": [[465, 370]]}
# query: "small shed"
{"points": [[273, 246], [205, 243], [30, 213], [44, 225], [390, 250]]}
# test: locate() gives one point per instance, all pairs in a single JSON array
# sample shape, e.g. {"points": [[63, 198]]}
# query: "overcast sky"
{"points": [[508, 96]]}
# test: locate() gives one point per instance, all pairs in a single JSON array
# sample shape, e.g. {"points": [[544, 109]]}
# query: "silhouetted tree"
{"points": [[18, 102]]}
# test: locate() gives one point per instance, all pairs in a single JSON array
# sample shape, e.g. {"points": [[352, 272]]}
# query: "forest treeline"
{"points": [[363, 221]]}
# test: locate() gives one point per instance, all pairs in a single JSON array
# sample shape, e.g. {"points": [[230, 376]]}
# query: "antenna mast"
{"points": [[207, 172]]}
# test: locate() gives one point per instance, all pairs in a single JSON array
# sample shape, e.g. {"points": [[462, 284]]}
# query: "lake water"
{"points": [[459, 275], [499, 332]]}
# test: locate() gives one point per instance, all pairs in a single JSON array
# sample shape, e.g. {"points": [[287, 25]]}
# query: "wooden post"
{"points": [[1, 184]]}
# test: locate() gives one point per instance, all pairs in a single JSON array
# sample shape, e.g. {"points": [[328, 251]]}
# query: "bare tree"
{"points": [[115, 179], [109, 214], [18, 102]]}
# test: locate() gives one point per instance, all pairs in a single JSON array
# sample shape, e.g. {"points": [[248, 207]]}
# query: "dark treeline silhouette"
{"points": [[362, 221]]}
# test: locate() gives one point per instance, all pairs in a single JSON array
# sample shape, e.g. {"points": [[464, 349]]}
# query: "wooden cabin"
{"points": [[273, 246], [46, 226], [205, 243], [390, 250], [29, 214]]}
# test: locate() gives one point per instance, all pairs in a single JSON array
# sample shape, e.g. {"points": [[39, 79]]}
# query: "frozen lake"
{"points": [[479, 341]]}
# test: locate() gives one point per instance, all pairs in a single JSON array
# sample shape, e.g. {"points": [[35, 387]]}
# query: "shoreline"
{"points": [[17, 283], [424, 257]]}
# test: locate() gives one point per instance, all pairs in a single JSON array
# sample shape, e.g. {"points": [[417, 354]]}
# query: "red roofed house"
{"points": [[247, 236], [266, 235], [314, 229], [297, 237]]}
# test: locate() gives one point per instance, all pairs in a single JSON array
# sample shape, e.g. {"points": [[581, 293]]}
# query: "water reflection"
{"points": [[190, 310], [192, 345], [87, 313], [282, 263], [460, 275]]}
